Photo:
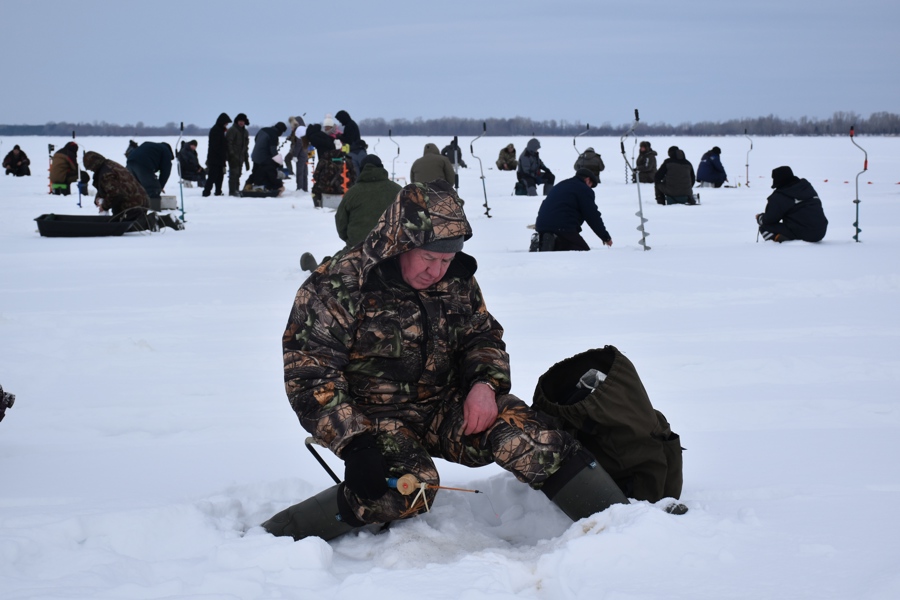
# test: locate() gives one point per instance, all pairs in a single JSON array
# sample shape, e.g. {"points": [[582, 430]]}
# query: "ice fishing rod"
{"points": [[748, 156], [406, 484], [393, 176], [180, 174], [587, 127], [630, 168], [487, 209], [856, 201]]}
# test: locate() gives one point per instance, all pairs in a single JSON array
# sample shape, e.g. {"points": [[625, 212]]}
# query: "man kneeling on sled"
{"points": [[391, 358]]}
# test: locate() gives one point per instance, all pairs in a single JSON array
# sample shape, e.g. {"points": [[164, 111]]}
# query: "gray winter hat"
{"points": [[446, 245]]}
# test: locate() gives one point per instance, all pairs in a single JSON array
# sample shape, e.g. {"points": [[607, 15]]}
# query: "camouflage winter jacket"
{"points": [[361, 344], [117, 188]]}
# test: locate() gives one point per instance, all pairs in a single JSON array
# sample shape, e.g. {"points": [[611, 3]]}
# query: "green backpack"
{"points": [[615, 421]]}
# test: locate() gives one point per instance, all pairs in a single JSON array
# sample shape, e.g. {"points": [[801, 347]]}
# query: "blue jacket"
{"points": [[569, 205], [710, 169]]}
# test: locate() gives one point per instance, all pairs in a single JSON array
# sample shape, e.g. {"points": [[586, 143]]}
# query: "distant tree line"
{"points": [[879, 123]]}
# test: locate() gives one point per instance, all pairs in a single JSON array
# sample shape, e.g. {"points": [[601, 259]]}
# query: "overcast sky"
{"points": [[592, 61]]}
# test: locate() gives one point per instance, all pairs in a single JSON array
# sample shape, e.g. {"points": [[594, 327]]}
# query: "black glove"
{"points": [[365, 472]]}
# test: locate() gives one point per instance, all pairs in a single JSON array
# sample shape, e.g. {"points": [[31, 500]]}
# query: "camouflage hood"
{"points": [[93, 160], [421, 213]]}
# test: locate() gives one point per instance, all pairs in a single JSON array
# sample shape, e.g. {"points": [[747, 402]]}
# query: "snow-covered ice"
{"points": [[151, 434]]}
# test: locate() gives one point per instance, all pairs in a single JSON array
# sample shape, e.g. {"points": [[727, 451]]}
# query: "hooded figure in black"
{"points": [[794, 210], [146, 161], [265, 151], [351, 138], [217, 155]]}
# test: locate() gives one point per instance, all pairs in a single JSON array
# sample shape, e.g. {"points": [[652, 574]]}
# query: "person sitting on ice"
{"points": [[646, 163], [591, 161], [189, 163], [506, 160], [674, 181], [532, 171], [793, 211], [431, 166], [391, 359], [64, 170], [16, 163], [710, 172]]}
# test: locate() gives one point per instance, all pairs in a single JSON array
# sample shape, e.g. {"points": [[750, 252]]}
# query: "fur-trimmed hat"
{"points": [[242, 117]]}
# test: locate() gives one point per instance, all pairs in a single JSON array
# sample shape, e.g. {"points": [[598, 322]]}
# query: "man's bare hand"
{"points": [[479, 409]]}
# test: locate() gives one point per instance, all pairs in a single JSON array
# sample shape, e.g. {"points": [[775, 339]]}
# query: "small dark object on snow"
{"points": [[6, 401]]}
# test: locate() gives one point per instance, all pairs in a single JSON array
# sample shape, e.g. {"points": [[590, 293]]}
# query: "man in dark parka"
{"points": [[566, 208], [793, 211]]}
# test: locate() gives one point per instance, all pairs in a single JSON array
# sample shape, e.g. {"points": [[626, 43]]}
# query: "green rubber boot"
{"points": [[581, 487], [318, 516]]}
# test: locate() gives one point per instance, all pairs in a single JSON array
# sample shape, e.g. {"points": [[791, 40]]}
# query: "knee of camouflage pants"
{"points": [[404, 454], [521, 440]]}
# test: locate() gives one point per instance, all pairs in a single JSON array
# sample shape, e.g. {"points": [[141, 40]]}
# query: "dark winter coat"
{"points": [[117, 188], [64, 165], [364, 203], [646, 166], [217, 152], [710, 169], [153, 157], [321, 141], [265, 145], [237, 140], [676, 175], [530, 162], [431, 166], [454, 154], [16, 163], [798, 206], [350, 136], [361, 345], [590, 160], [570, 204], [189, 162]]}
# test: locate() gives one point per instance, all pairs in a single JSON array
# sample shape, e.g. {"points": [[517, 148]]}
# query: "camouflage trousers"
{"points": [[521, 441], [334, 174]]}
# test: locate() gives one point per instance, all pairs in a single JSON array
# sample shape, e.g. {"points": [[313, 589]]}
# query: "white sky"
{"points": [[124, 62]]}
